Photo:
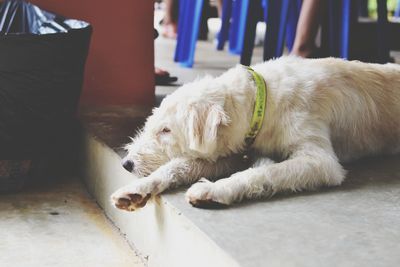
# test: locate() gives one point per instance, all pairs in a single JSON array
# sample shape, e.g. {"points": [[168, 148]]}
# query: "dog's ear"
{"points": [[204, 119]]}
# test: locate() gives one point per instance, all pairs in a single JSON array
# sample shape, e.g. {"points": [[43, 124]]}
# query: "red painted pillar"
{"points": [[120, 66]]}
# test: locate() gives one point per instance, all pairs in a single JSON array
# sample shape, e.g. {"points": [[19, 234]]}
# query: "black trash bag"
{"points": [[42, 59]]}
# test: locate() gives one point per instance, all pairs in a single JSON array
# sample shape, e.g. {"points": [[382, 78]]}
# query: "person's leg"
{"points": [[219, 8], [170, 19], [161, 76], [307, 28]]}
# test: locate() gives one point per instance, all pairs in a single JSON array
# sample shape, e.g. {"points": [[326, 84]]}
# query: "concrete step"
{"points": [[356, 224]]}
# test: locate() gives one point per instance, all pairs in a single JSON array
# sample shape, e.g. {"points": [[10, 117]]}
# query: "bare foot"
{"points": [[306, 51], [170, 30]]}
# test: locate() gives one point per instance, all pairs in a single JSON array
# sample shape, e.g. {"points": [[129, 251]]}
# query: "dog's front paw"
{"points": [[205, 194], [129, 198]]}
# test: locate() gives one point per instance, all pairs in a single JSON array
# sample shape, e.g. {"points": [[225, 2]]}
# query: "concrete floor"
{"points": [[356, 224], [208, 61], [58, 224]]}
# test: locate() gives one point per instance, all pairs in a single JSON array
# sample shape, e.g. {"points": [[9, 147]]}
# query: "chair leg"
{"points": [[383, 44], [225, 20], [363, 12], [179, 42], [345, 31], [281, 19], [339, 28], [238, 27], [284, 12], [333, 28], [273, 36], [205, 15], [250, 31], [188, 30]]}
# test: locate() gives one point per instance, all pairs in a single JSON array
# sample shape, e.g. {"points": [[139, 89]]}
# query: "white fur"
{"points": [[319, 112]]}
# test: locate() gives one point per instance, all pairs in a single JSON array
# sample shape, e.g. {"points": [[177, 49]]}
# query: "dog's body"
{"points": [[318, 112]]}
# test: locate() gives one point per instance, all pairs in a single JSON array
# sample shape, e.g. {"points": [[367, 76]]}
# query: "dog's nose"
{"points": [[128, 165]]}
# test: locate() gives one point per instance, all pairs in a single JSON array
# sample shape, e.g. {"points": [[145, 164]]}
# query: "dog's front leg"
{"points": [[307, 168], [177, 172]]}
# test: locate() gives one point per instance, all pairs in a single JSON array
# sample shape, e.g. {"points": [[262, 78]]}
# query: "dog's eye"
{"points": [[166, 130]]}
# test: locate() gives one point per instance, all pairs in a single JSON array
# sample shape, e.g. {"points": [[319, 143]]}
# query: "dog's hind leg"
{"points": [[177, 172], [309, 167]]}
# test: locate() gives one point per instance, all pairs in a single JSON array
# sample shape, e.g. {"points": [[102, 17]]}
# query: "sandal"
{"points": [[162, 77]]}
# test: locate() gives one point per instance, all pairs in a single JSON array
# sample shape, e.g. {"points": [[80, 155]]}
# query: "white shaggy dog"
{"points": [[318, 112]]}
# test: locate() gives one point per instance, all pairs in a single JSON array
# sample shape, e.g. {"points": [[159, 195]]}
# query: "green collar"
{"points": [[259, 108]]}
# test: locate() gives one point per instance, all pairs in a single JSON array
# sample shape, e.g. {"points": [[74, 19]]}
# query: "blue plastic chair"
{"points": [[188, 31], [339, 13], [291, 24], [233, 24], [225, 24], [239, 22], [281, 18], [342, 15], [188, 28]]}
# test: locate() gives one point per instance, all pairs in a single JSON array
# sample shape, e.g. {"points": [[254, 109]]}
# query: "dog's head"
{"points": [[188, 123]]}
